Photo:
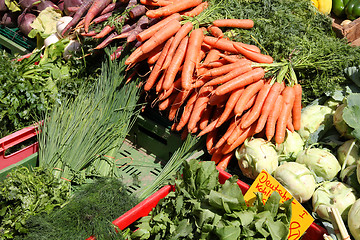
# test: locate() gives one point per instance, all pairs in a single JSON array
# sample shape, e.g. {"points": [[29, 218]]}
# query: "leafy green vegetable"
{"points": [[202, 208], [28, 192], [351, 114], [45, 23], [89, 212]]}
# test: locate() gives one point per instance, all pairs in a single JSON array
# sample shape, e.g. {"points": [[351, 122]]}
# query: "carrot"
{"points": [[161, 36], [215, 72], [176, 62], [285, 113], [274, 92], [105, 31], [272, 118], [216, 157], [215, 31], [216, 100], [137, 11], [184, 134], [194, 46], [221, 44], [227, 134], [249, 92], [89, 34], [101, 18], [167, 102], [107, 41], [210, 139], [187, 111], [230, 75], [166, 93], [230, 104], [149, 32], [212, 55], [178, 102], [243, 80], [234, 23], [158, 86], [231, 58], [183, 32], [240, 140], [199, 107], [96, 7], [117, 53], [296, 111], [289, 124], [254, 56], [156, 70], [258, 105], [172, 8], [205, 117], [196, 10], [211, 126], [158, 3], [155, 54], [224, 161], [214, 64]]}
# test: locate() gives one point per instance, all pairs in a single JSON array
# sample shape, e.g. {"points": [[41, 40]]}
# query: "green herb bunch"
{"points": [[202, 208], [89, 212], [26, 192]]}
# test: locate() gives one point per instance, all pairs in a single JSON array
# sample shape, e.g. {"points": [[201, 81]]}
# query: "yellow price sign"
{"points": [[267, 184]]}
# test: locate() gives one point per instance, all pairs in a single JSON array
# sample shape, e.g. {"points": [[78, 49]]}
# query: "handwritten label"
{"points": [[267, 184]]}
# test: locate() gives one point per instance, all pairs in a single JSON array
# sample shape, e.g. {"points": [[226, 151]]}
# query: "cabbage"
{"points": [[348, 151], [256, 155], [292, 145], [333, 194], [321, 161], [297, 179], [354, 220], [312, 117]]}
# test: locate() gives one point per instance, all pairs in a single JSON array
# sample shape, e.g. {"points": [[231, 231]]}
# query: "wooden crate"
{"points": [[350, 31]]}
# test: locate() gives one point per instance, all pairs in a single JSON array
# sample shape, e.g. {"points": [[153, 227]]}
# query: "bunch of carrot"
{"points": [[210, 85]]}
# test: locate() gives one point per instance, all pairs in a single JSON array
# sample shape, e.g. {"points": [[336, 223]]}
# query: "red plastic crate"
{"points": [[13, 140]]}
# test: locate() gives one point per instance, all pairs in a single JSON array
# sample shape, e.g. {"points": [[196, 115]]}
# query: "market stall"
{"points": [[210, 119]]}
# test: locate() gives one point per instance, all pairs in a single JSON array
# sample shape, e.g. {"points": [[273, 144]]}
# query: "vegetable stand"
{"points": [[136, 160]]}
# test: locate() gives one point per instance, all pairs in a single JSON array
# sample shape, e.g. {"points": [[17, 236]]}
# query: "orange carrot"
{"points": [[161, 36], [183, 32], [229, 132], [216, 157], [212, 55], [215, 72], [230, 75], [194, 46], [245, 97], [240, 140], [296, 111], [234, 23], [210, 139], [96, 7], [214, 63], [184, 134], [167, 102], [149, 32], [158, 3], [231, 58], [289, 125], [155, 54], [205, 117], [176, 62], [274, 92], [211, 126], [156, 70], [172, 8], [224, 161], [158, 86], [196, 10], [187, 111], [216, 100], [215, 31], [272, 118], [166, 93], [241, 81], [221, 44], [258, 105], [285, 113], [199, 107], [105, 31], [254, 56], [230, 104], [178, 102]]}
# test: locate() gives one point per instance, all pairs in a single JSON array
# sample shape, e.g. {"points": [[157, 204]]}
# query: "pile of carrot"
{"points": [[210, 85]]}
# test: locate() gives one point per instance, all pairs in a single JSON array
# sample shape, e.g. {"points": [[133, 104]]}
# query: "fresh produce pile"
{"points": [[245, 76]]}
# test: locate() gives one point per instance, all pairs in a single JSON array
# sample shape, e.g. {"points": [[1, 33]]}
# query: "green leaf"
{"points": [[351, 113], [272, 204], [45, 23], [228, 232], [278, 230]]}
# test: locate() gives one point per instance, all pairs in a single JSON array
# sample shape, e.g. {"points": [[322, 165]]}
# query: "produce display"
{"points": [[251, 85]]}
